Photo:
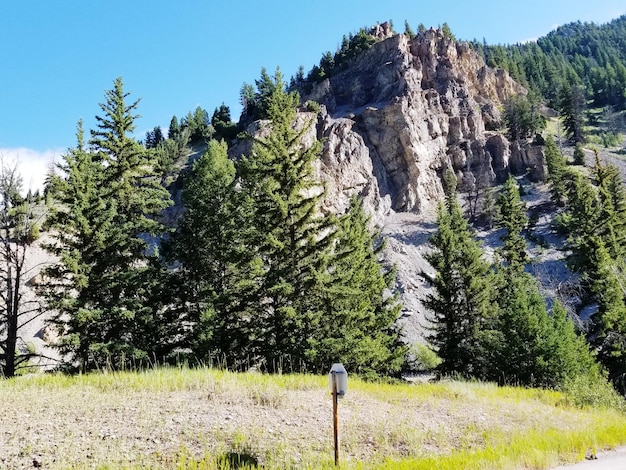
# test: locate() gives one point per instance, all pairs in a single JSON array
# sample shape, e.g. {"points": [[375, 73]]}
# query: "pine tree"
{"points": [[267, 87], [521, 118], [612, 197], [358, 314], [512, 217], [523, 323], [581, 221], [572, 108], [276, 283], [174, 129], [209, 246], [408, 30], [447, 32], [568, 354], [533, 347], [579, 155], [79, 221], [224, 127], [106, 275], [608, 330], [463, 312], [289, 240], [595, 224], [557, 171], [536, 348]]}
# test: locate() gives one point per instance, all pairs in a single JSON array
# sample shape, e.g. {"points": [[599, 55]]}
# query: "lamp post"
{"points": [[338, 379]]}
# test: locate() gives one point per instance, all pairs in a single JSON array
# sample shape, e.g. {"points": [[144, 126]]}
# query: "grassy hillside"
{"points": [[179, 418]]}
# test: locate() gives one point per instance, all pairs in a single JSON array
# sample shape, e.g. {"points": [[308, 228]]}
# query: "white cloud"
{"points": [[33, 165]]}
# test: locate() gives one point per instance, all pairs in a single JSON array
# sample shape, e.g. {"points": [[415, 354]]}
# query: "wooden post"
{"points": [[335, 419]]}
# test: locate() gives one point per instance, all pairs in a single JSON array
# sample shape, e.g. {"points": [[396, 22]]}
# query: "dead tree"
{"points": [[18, 306]]}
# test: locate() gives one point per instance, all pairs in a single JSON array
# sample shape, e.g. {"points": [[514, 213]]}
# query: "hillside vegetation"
{"points": [[209, 419], [585, 54]]}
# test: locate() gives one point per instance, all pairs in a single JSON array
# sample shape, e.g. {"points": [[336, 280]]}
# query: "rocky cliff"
{"points": [[394, 120], [406, 110]]}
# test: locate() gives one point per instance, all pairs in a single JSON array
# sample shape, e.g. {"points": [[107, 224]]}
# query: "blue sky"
{"points": [[58, 57]]}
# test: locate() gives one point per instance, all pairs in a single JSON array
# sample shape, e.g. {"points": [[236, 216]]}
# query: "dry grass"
{"points": [[173, 418]]}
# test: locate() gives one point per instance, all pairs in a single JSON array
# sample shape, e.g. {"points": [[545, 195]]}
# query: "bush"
{"points": [[312, 106], [33, 234], [579, 155], [422, 358], [592, 390], [610, 139]]}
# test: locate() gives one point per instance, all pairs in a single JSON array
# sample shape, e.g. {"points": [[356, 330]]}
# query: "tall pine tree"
{"points": [[512, 217], [557, 171], [463, 313], [108, 310], [357, 323], [216, 271], [535, 347], [290, 239]]}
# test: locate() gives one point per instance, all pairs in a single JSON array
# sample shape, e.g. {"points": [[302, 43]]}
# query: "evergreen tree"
{"points": [[568, 353], [579, 154], [557, 171], [595, 223], [512, 217], [533, 347], [104, 295], [266, 87], [408, 30], [289, 240], [174, 129], [447, 32], [536, 348], [612, 197], [246, 98], [521, 118], [608, 328], [223, 125], [524, 326], [358, 315], [572, 108], [210, 284], [154, 138], [463, 312], [595, 211], [581, 220]]}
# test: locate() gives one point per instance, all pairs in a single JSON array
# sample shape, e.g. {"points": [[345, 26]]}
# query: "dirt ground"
{"points": [[82, 426]]}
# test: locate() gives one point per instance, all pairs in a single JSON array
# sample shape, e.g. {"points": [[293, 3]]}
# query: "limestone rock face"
{"points": [[403, 112]]}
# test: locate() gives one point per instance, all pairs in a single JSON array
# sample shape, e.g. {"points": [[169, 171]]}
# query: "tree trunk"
{"points": [[11, 341]]}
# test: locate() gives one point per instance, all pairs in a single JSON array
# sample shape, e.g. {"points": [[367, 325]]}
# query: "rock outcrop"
{"points": [[403, 112]]}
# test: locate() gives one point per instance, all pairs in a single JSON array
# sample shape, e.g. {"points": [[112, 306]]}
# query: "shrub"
{"points": [[422, 358], [34, 234], [592, 390], [579, 155], [610, 139], [312, 106]]}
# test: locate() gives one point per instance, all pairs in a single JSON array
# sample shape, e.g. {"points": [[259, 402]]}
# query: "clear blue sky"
{"points": [[58, 57]]}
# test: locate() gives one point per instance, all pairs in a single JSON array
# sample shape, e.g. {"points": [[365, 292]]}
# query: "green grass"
{"points": [[213, 419]]}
